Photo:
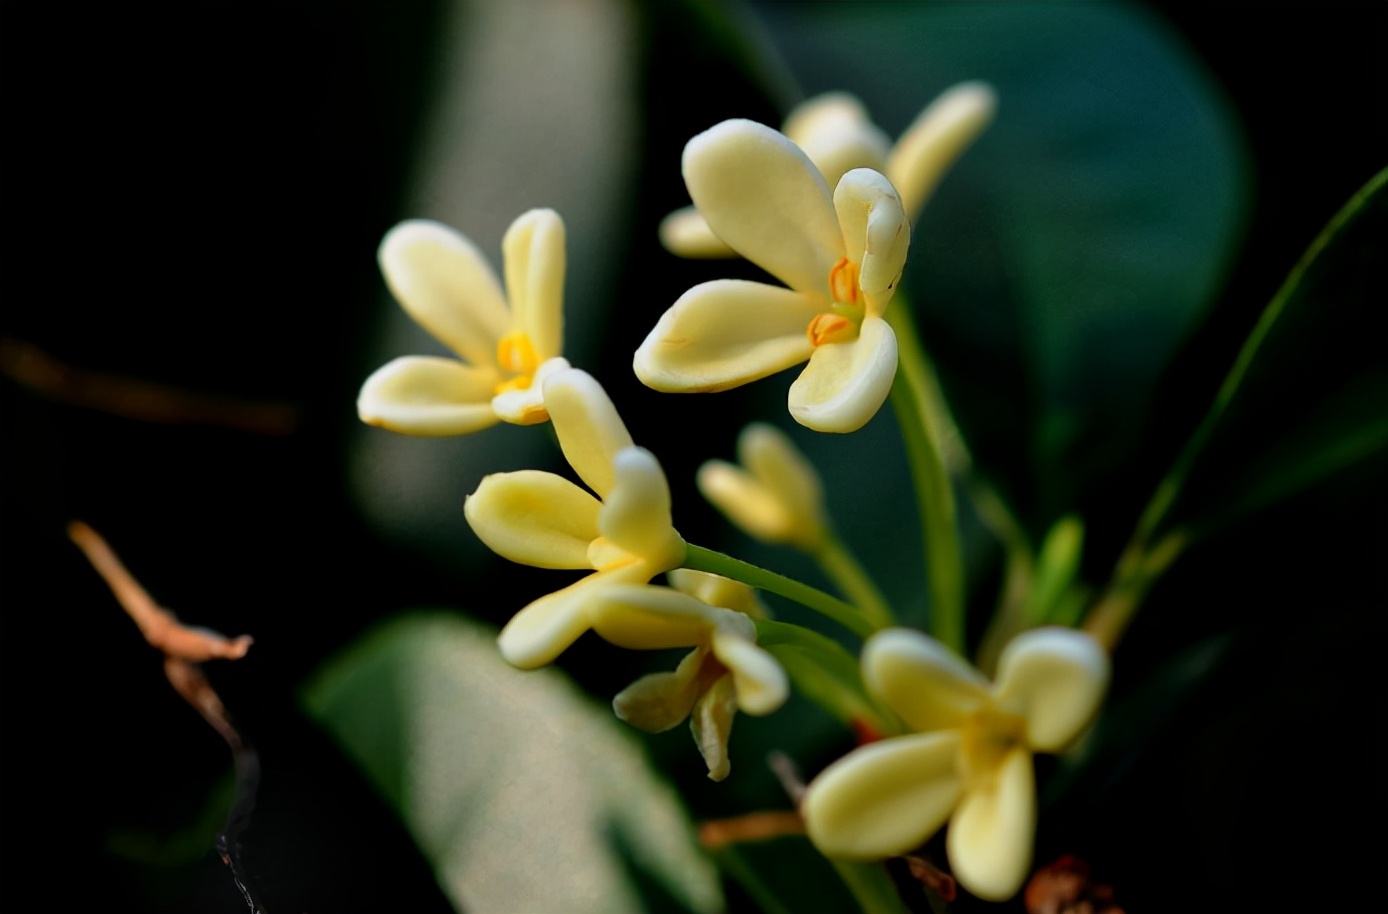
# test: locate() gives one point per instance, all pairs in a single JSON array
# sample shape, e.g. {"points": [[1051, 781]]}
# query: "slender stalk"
{"points": [[1137, 571], [872, 887], [848, 574], [699, 558]]}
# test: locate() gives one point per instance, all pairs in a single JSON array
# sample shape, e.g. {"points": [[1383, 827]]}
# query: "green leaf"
{"points": [[523, 793]]}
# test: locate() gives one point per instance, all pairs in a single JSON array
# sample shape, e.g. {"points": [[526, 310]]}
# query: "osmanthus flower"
{"points": [[623, 534], [774, 495], [969, 761], [725, 673], [507, 343], [841, 255], [834, 130]]}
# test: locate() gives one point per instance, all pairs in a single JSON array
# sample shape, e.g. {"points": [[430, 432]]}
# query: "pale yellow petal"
{"points": [[534, 518], [635, 514], [767, 201], [759, 681], [1055, 678], [920, 679], [589, 430], [989, 843], [427, 395], [845, 384], [711, 722], [527, 406], [685, 234], [716, 590], [442, 281], [649, 617], [543, 630], [660, 701], [936, 139], [773, 458], [533, 253], [884, 799], [876, 234], [725, 333], [746, 501], [834, 131]]}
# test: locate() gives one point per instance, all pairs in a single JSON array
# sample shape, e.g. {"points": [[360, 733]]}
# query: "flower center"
{"points": [[990, 736], [516, 355], [841, 322], [605, 555]]}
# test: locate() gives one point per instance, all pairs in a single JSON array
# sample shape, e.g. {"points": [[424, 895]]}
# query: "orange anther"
{"points": [[829, 328], [843, 281]]}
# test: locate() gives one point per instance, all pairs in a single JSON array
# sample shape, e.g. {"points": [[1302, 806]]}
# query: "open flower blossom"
{"points": [[774, 496], [725, 673], [841, 255], [624, 534], [504, 351], [835, 132], [969, 761]]}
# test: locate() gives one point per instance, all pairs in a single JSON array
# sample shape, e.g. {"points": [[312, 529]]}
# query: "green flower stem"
{"points": [[1137, 571], [844, 569], [872, 887], [916, 400], [698, 558]]}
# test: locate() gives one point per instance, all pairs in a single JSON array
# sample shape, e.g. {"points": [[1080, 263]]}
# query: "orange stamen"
{"points": [[829, 328], [843, 281]]}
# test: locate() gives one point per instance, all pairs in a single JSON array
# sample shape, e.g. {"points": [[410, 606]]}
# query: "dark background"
{"points": [[192, 196]]}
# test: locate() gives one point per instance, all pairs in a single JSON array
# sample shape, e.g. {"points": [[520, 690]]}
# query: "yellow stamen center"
{"points": [[516, 355], [841, 322], [990, 735]]}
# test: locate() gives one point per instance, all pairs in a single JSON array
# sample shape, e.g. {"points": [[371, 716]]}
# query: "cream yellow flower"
{"points": [[774, 496], [624, 535], [445, 284], [835, 132], [970, 761], [726, 672], [841, 254]]}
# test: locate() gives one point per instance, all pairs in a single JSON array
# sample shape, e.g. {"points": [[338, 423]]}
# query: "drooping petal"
{"points": [[1055, 678], [711, 722], [534, 518], [884, 799], [759, 681], [746, 501], [527, 406], [685, 234], [767, 201], [990, 837], [428, 395], [546, 627], [660, 701], [589, 430], [635, 514], [445, 284], [725, 333], [833, 129], [876, 233], [533, 254], [936, 139], [652, 617], [716, 590], [845, 384], [774, 459], [921, 680]]}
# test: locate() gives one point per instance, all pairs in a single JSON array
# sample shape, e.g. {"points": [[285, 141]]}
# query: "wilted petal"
{"points": [[834, 131], [884, 799], [921, 679], [845, 384], [543, 630], [427, 395], [635, 515], [766, 200], [760, 683], [533, 253], [651, 618], [589, 429], [534, 518], [660, 701], [716, 590], [685, 233], [876, 233], [527, 407], [712, 724], [936, 139], [725, 333], [446, 285], [1055, 678], [990, 837]]}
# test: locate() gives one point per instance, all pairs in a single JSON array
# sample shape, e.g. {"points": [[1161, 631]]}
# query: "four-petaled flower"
{"points": [[726, 672], [624, 534], [841, 254], [446, 285], [835, 132], [775, 495], [970, 761]]}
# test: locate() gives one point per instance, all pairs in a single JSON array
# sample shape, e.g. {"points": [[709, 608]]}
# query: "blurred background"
{"points": [[192, 197]]}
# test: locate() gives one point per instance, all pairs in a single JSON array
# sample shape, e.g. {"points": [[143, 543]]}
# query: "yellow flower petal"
{"points": [[876, 234], [990, 835], [661, 701], [759, 681], [589, 429], [845, 384], [534, 518], [746, 501], [685, 234], [712, 724], [635, 514], [527, 405], [716, 590], [426, 395], [652, 618], [936, 139], [1055, 678], [533, 254], [922, 680], [762, 196], [834, 131], [446, 285], [884, 799], [774, 459], [546, 627], [724, 333]]}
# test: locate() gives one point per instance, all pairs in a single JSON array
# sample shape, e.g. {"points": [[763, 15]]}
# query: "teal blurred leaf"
{"points": [[522, 793]]}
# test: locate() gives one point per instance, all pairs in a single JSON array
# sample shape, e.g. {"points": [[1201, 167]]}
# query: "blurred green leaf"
{"points": [[523, 793]]}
